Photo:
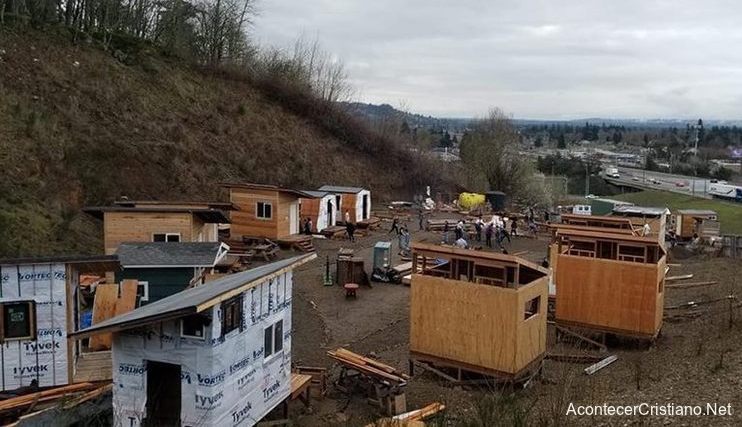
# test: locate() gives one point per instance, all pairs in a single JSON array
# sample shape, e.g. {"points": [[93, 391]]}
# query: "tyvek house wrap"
{"points": [[43, 359], [225, 380]]}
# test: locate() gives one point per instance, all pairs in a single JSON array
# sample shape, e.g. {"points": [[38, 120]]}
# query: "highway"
{"points": [[662, 181]]}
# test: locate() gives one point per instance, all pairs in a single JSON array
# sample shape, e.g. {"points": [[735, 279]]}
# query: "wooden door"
{"points": [[294, 218]]}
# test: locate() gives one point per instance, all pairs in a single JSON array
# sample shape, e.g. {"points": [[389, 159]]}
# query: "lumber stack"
{"points": [[369, 367], [422, 413], [31, 399]]}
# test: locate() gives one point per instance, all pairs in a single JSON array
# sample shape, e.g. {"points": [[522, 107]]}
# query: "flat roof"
{"points": [[225, 206], [316, 194], [697, 212], [194, 300], [212, 216], [641, 210], [341, 189], [254, 186], [170, 254]]}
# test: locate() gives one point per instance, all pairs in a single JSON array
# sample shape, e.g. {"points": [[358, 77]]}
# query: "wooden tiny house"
{"points": [[703, 222], [477, 311], [609, 282], [264, 210], [159, 222], [321, 209], [354, 200]]}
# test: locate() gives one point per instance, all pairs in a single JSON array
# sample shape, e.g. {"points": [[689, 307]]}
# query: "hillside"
{"points": [[79, 127]]}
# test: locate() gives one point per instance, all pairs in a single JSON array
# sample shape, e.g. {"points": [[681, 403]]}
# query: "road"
{"points": [[663, 181]]}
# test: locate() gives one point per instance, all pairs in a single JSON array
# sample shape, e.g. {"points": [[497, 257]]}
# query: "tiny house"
{"points": [[656, 218], [163, 269], [37, 313], [159, 222], [609, 282], [321, 209], [477, 311], [355, 201], [703, 222], [216, 354], [265, 210]]}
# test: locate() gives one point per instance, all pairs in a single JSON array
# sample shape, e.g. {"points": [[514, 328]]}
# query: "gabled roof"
{"points": [[209, 216], [196, 299], [253, 186], [170, 254], [186, 204], [341, 189]]}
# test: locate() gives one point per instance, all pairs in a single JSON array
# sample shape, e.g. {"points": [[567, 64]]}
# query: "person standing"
{"points": [[347, 216], [395, 226], [514, 227], [488, 235], [445, 232], [308, 226], [459, 229], [421, 220], [350, 228], [478, 227]]}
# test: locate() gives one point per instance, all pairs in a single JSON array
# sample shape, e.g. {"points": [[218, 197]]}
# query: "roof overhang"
{"points": [[212, 216]]}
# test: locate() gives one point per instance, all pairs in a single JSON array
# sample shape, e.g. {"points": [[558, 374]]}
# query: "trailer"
{"points": [[722, 190]]}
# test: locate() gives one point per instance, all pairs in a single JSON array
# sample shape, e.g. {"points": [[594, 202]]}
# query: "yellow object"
{"points": [[469, 201]]}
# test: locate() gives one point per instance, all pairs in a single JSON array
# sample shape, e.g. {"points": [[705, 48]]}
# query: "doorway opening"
{"points": [[163, 394]]}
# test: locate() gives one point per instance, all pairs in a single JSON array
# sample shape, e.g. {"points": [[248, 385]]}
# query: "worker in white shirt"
{"points": [[347, 216], [461, 243], [646, 230]]}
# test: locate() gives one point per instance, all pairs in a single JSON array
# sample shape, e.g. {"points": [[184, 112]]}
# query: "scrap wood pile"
{"points": [[66, 396], [372, 369], [412, 418]]}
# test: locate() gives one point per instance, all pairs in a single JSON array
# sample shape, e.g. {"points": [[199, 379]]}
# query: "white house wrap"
{"points": [[225, 379]]}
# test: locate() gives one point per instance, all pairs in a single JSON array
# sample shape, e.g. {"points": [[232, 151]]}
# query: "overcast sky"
{"points": [[532, 58]]}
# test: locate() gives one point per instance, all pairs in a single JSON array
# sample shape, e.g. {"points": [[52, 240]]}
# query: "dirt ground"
{"points": [[694, 361]]}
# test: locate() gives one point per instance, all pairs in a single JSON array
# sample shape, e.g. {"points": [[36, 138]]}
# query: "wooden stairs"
{"points": [[298, 242]]}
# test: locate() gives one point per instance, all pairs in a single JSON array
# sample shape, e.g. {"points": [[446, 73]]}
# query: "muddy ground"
{"points": [[695, 360]]}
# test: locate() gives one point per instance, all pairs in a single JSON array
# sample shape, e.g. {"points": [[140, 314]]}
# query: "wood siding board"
{"points": [[120, 227]]}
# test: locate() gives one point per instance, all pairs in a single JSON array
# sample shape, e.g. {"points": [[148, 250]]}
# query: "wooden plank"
{"points": [[690, 285], [683, 277], [56, 392], [299, 384], [104, 307], [600, 365], [128, 299], [120, 227]]}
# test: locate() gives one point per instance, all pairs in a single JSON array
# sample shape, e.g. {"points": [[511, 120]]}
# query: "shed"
{"points": [[355, 201], [656, 217], [264, 210], [703, 222], [609, 281], [602, 206], [37, 308], [321, 208], [477, 311], [158, 222], [163, 269], [216, 354]]}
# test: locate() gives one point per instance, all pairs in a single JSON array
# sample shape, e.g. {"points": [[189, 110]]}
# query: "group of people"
{"points": [[495, 232], [350, 227]]}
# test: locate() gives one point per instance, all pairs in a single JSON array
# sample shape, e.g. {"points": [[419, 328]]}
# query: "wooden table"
{"points": [[350, 289], [266, 251], [300, 384]]}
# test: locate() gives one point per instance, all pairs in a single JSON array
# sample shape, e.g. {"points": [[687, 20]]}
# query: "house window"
{"points": [[143, 292], [18, 320], [264, 210], [193, 326], [273, 339], [166, 237], [532, 308], [231, 314]]}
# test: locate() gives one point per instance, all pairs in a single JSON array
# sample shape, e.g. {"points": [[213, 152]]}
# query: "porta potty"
{"points": [[382, 255], [496, 200]]}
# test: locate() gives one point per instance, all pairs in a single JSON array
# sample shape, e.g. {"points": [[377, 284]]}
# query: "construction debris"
{"points": [[691, 304], [600, 365], [32, 399]]}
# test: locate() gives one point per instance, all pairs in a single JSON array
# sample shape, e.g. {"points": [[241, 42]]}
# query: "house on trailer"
{"points": [[160, 222], [217, 354], [163, 269], [321, 209], [609, 282], [37, 312], [656, 218], [477, 311], [354, 200], [703, 222], [265, 210]]}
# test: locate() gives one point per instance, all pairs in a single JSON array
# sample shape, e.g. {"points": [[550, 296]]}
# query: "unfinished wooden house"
{"points": [[701, 222], [656, 218], [609, 282], [477, 311], [321, 209], [38, 311], [355, 201], [129, 221], [217, 354]]}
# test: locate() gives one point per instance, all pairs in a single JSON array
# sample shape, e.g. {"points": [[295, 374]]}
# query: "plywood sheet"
{"points": [[120, 227], [128, 299], [104, 307]]}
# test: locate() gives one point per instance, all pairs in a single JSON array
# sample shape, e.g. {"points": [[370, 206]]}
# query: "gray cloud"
{"points": [[533, 58]]}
